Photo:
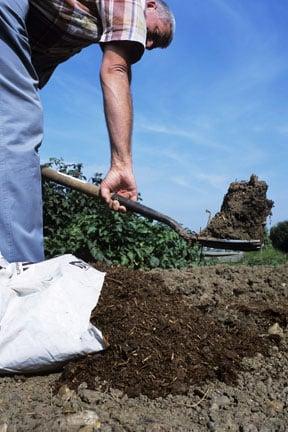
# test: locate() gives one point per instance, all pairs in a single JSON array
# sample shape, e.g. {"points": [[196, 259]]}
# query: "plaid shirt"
{"points": [[58, 29]]}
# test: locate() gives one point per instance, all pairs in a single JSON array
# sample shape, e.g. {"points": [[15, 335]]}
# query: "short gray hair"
{"points": [[166, 14]]}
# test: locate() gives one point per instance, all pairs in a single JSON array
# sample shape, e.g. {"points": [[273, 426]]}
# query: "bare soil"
{"points": [[190, 351], [243, 213], [161, 344]]}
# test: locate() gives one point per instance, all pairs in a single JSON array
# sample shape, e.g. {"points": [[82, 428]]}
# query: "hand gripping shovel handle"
{"points": [[94, 191]]}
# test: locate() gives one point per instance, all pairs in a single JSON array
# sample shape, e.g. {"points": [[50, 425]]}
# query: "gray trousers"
{"points": [[21, 128]]}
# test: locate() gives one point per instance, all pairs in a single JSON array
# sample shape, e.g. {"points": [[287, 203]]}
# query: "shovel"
{"points": [[192, 237]]}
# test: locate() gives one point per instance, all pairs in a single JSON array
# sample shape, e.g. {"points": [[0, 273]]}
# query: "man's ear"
{"points": [[151, 4]]}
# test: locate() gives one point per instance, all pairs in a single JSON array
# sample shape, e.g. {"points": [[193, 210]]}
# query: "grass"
{"points": [[267, 256]]}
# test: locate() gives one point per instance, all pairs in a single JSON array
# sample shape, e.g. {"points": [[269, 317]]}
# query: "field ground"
{"points": [[220, 363]]}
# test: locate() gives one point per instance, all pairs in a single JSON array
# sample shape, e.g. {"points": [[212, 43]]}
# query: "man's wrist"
{"points": [[122, 162]]}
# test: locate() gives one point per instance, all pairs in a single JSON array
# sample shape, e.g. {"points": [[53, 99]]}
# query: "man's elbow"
{"points": [[115, 71]]}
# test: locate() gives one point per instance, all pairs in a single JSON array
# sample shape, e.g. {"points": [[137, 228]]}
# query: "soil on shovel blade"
{"points": [[243, 213], [161, 344]]}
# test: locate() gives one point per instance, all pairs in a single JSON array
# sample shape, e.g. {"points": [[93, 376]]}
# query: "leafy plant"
{"points": [[279, 236], [86, 227]]}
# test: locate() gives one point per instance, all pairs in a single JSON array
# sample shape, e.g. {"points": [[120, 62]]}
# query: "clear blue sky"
{"points": [[210, 109]]}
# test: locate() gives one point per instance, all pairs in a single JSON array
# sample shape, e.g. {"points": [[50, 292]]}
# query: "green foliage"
{"points": [[279, 236], [86, 227]]}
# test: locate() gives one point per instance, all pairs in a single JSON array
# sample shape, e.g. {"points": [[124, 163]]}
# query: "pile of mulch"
{"points": [[243, 213], [159, 344]]}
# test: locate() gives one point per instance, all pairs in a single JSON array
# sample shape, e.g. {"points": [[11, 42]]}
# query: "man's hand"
{"points": [[119, 180]]}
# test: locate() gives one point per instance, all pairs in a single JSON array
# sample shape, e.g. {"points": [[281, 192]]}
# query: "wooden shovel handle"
{"points": [[71, 182]]}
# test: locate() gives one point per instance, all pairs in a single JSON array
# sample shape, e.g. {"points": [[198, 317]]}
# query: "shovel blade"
{"points": [[235, 245]]}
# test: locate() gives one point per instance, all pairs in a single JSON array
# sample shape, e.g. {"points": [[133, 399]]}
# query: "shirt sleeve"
{"points": [[124, 20]]}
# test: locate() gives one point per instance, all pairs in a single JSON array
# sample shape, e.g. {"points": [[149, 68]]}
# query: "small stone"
{"points": [[82, 386], [275, 329], [222, 401], [213, 415], [259, 356], [72, 406], [276, 405], [65, 393], [214, 407], [116, 394], [230, 426], [91, 396], [255, 409], [261, 388], [68, 400], [87, 420], [211, 426], [204, 299]]}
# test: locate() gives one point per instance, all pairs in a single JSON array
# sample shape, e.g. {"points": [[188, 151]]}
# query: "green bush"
{"points": [[279, 236], [86, 227]]}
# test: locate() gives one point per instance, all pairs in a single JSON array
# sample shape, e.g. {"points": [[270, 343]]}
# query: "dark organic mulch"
{"points": [[243, 213], [158, 344]]}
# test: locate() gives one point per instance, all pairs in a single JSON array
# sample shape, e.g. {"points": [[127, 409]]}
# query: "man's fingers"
{"points": [[133, 196], [113, 204], [122, 209], [105, 193], [116, 206]]}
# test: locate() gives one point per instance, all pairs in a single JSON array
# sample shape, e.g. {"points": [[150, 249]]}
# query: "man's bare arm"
{"points": [[115, 77]]}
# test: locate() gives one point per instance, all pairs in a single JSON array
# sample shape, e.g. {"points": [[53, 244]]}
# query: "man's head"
{"points": [[160, 24]]}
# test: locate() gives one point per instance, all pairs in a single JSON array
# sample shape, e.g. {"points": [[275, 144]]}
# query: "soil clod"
{"points": [[243, 213]]}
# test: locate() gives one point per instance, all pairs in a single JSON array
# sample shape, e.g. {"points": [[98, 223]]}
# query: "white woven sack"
{"points": [[45, 313]]}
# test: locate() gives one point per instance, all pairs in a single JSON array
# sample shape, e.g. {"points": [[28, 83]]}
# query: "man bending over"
{"points": [[36, 36]]}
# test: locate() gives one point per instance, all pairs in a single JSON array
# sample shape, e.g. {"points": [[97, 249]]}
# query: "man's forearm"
{"points": [[115, 81]]}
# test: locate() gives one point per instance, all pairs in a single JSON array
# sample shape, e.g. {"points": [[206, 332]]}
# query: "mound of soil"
{"points": [[243, 213], [159, 344]]}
